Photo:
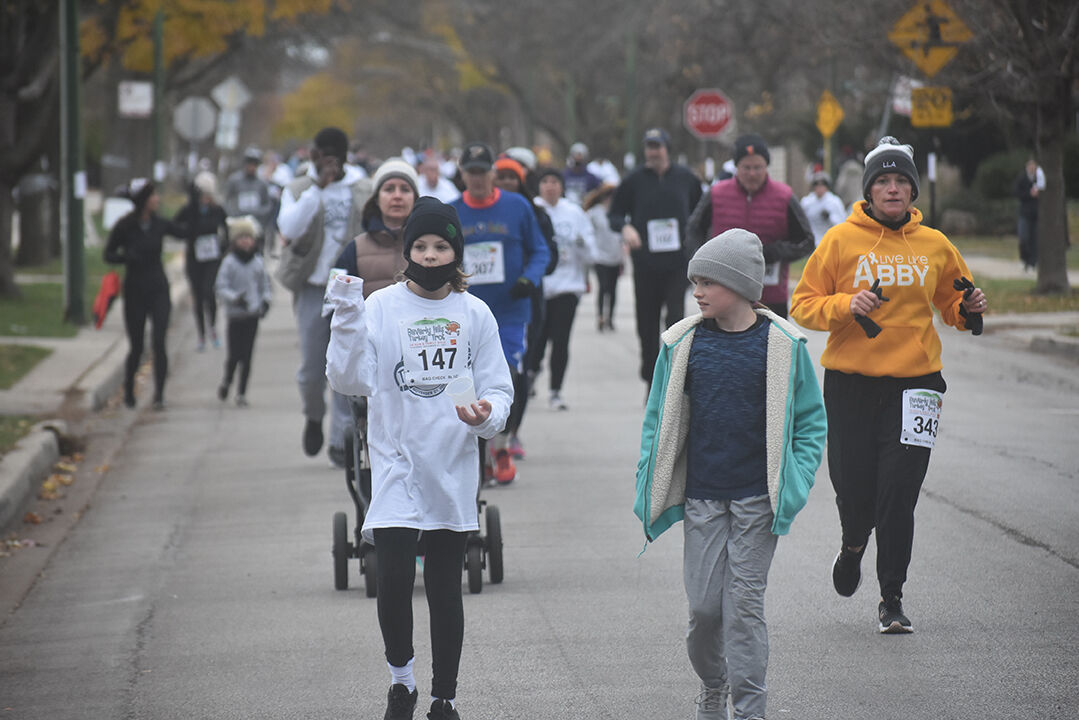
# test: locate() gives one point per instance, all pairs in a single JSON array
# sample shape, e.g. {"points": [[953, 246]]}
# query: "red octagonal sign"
{"points": [[707, 113]]}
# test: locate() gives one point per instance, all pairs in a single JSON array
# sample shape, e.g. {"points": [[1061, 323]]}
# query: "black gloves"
{"points": [[263, 309], [973, 320], [522, 288], [871, 328]]}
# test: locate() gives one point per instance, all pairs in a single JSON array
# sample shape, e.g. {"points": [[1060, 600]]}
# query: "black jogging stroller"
{"points": [[482, 550]]}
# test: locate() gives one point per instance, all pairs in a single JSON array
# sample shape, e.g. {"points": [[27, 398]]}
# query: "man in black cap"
{"points": [[505, 255], [657, 199], [248, 194], [753, 201]]}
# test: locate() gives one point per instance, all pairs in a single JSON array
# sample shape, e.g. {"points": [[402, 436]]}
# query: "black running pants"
{"points": [[443, 563], [876, 478], [241, 345]]}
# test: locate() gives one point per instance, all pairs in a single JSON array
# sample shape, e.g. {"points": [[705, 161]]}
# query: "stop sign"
{"points": [[707, 113]]}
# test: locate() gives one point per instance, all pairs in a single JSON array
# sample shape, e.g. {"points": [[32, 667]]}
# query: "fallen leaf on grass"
{"points": [[63, 479], [67, 467], [32, 518], [101, 469]]}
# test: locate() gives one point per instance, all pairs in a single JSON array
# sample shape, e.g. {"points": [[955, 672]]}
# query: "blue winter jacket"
{"points": [[795, 427]]}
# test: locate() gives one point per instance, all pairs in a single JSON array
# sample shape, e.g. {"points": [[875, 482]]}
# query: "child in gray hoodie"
{"points": [[243, 288]]}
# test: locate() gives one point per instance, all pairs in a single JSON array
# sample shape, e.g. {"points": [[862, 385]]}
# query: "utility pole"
{"points": [[72, 172], [159, 97]]}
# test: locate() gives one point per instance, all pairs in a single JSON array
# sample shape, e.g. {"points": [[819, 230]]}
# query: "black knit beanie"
{"points": [[751, 144], [889, 156], [430, 216]]}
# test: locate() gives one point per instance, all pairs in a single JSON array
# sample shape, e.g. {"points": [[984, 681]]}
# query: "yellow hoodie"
{"points": [[916, 266]]}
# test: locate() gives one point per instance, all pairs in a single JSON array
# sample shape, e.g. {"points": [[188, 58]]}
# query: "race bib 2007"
{"points": [[484, 264], [435, 350], [921, 417]]}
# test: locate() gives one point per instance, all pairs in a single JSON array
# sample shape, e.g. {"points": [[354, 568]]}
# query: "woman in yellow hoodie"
{"points": [[872, 284]]}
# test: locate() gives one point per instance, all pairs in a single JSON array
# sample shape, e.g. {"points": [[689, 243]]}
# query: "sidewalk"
{"points": [[83, 372]]}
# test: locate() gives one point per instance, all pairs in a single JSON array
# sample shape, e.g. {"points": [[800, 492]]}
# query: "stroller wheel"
{"points": [[474, 565], [341, 551], [369, 568], [494, 544]]}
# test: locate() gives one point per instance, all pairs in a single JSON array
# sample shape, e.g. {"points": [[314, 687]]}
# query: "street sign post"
{"points": [[231, 94], [707, 113], [194, 119], [829, 116], [930, 34]]}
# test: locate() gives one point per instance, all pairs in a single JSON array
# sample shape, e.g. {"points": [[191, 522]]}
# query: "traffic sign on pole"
{"points": [[194, 118], [931, 107], [231, 94], [829, 114], [707, 113], [930, 34]]}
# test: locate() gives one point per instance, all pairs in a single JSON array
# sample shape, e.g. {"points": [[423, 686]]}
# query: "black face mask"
{"points": [[430, 278]]}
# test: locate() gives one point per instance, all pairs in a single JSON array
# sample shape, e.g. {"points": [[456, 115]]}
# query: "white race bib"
{"points": [[435, 350], [921, 417], [483, 262], [663, 235], [207, 248], [771, 274], [248, 201]]}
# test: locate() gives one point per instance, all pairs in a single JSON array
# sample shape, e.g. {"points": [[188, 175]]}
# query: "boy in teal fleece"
{"points": [[733, 434]]}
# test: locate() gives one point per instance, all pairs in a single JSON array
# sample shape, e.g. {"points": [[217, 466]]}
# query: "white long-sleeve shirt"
{"points": [[400, 350], [576, 244], [823, 213], [336, 202]]}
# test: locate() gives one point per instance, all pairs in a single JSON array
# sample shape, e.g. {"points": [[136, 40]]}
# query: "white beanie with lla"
{"points": [[735, 260], [890, 156]]}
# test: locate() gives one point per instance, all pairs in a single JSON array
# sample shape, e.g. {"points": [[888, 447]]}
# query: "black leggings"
{"points": [[876, 478], [557, 324], [442, 566], [201, 277], [139, 305], [607, 278], [241, 345]]}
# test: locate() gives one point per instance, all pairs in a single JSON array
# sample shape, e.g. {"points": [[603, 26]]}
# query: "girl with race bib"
{"points": [[202, 224], [400, 348], [873, 284]]}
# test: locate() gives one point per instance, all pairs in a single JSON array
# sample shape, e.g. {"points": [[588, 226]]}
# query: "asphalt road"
{"points": [[198, 582]]}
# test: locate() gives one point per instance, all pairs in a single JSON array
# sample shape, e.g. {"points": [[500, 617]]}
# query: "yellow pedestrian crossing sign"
{"points": [[930, 34], [829, 114]]}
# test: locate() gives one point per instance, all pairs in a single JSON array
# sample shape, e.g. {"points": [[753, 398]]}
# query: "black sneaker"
{"points": [[312, 437], [222, 392], [892, 619], [400, 704], [336, 455], [847, 571], [443, 710]]}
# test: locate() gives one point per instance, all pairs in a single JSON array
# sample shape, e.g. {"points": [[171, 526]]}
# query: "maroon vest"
{"points": [[764, 214]]}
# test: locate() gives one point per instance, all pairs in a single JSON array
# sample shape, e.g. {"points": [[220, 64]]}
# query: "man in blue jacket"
{"points": [[505, 255]]}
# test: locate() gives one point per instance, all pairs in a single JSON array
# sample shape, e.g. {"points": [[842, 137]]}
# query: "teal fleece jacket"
{"points": [[795, 427]]}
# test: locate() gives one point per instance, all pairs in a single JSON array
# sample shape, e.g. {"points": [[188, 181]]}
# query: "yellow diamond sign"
{"points": [[829, 114], [930, 35]]}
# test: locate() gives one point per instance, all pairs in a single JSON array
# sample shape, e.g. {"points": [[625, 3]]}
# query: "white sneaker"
{"points": [[557, 403], [712, 703]]}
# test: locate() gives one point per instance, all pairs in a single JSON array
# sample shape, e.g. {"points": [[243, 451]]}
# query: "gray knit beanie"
{"points": [[890, 156], [735, 260]]}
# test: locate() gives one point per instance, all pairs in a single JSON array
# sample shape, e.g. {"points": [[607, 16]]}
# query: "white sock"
{"points": [[403, 675], [433, 698]]}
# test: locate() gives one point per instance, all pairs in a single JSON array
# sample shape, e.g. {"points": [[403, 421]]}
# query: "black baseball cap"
{"points": [[657, 136], [477, 156]]}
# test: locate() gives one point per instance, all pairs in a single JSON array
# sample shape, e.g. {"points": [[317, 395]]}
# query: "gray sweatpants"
{"points": [[728, 549], [311, 377]]}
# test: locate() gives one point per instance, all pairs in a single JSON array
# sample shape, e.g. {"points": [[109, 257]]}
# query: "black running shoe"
{"points": [[401, 704], [847, 571], [892, 619], [222, 392], [312, 437], [443, 710]]}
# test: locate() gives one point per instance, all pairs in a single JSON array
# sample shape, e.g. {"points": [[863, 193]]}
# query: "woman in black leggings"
{"points": [[136, 243], [201, 223]]}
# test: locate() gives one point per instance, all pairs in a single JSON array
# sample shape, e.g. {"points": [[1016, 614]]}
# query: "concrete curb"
{"points": [[24, 466], [1059, 345]]}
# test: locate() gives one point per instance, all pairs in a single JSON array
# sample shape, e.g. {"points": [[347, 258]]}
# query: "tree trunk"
{"points": [[1052, 215]]}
